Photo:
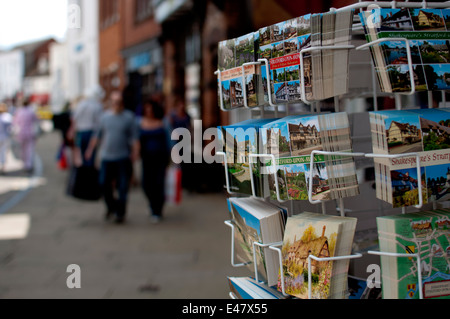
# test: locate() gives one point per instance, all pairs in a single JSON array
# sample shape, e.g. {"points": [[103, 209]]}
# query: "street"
{"points": [[186, 256]]}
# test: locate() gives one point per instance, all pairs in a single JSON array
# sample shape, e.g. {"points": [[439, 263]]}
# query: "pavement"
{"points": [[43, 231]]}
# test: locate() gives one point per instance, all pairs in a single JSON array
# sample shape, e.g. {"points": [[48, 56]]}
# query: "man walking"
{"points": [[117, 134], [85, 120]]}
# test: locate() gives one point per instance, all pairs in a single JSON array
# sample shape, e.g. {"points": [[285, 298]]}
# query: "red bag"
{"points": [[173, 185], [62, 162]]}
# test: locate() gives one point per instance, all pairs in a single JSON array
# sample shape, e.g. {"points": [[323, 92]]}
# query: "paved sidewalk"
{"points": [[186, 256]]}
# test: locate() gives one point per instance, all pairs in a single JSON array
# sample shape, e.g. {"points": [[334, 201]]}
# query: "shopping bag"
{"points": [[173, 186], [62, 160], [84, 183]]}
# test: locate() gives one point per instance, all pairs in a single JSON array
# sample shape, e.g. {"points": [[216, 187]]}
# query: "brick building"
{"points": [[130, 53], [170, 47], [191, 31], [112, 75], [141, 53]]}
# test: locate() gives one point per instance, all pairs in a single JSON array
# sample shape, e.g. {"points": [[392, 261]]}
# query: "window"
{"points": [[193, 46], [143, 10], [109, 13]]}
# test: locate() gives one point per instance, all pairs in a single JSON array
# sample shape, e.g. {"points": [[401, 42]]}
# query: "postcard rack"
{"points": [[361, 5], [276, 247]]}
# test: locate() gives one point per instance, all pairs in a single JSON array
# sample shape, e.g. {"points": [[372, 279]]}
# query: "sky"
{"points": [[24, 21]]}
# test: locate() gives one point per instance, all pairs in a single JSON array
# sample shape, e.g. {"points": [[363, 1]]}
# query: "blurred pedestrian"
{"points": [[155, 155], [118, 137], [5, 134], [26, 127], [85, 119], [62, 122], [179, 117]]}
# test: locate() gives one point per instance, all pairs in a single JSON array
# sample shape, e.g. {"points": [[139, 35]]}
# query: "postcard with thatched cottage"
{"points": [[303, 237]]}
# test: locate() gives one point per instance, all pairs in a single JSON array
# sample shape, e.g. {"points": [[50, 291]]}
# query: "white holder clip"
{"points": [[276, 247], [324, 259], [219, 76], [419, 171], [408, 53], [269, 92], [244, 86], [398, 255], [274, 163], [227, 179], [233, 263], [302, 68], [313, 153]]}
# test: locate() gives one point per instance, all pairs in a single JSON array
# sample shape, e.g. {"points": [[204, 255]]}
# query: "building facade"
{"points": [[83, 48], [36, 84], [111, 65], [59, 76], [12, 71], [141, 53]]}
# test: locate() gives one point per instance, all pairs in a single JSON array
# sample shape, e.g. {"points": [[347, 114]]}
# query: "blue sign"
{"points": [[138, 61], [79, 47]]}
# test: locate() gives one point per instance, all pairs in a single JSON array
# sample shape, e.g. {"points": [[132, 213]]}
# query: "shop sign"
{"points": [[138, 61]]}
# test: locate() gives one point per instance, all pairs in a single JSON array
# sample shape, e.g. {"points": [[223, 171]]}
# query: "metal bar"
{"points": [[233, 263], [276, 247], [274, 161], [255, 264], [419, 171], [302, 68], [227, 179], [419, 266], [314, 202], [324, 259], [219, 76], [269, 93], [408, 51], [244, 86]]}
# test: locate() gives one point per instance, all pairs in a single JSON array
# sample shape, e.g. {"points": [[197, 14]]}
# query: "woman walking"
{"points": [[5, 123], [155, 152], [25, 124]]}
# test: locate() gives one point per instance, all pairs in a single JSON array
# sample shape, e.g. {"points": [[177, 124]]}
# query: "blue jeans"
{"points": [[82, 141], [116, 174]]}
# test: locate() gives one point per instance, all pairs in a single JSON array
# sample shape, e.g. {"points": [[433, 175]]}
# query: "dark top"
{"points": [[180, 122], [154, 142]]}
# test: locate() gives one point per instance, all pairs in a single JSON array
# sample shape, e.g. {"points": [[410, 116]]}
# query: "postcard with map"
{"points": [[423, 233]]}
